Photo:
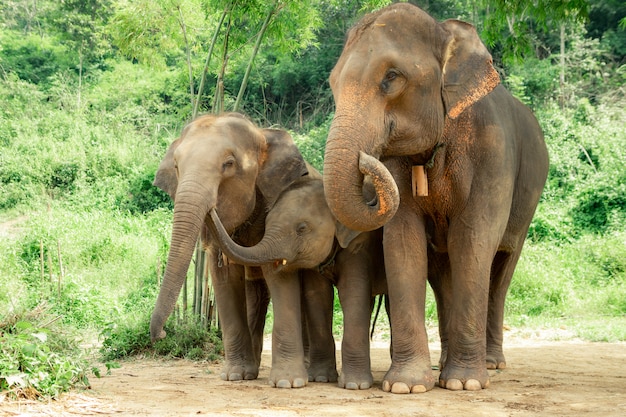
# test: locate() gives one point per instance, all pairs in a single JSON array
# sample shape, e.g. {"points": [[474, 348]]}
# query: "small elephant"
{"points": [[227, 165], [458, 165], [299, 240]]}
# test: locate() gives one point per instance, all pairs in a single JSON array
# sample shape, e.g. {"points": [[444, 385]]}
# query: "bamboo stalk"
{"points": [[61, 275], [158, 272], [205, 298], [41, 260], [185, 299], [50, 266]]}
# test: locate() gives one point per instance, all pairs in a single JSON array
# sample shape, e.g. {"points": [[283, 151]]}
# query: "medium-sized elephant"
{"points": [[458, 165], [225, 164], [300, 239]]}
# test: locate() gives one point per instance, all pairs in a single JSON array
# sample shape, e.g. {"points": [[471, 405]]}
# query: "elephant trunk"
{"points": [[345, 167], [260, 254], [189, 214]]}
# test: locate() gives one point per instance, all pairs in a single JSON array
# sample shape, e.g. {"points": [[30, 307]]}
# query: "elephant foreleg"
{"points": [[288, 370], [404, 244]]}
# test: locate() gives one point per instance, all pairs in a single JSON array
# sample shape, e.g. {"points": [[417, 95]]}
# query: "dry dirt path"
{"points": [[569, 378]]}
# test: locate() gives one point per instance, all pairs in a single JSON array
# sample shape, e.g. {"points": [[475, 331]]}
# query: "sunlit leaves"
{"points": [[511, 23]]}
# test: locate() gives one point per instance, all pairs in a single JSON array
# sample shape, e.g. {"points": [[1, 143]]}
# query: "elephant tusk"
{"points": [[280, 262]]}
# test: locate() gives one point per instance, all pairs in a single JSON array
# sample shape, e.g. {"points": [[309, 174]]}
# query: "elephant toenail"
{"points": [[298, 383], [473, 385], [452, 384], [400, 388], [418, 389], [283, 383]]}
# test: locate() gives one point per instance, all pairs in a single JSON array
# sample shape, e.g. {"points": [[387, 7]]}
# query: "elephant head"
{"points": [[299, 230], [400, 76], [220, 163]]}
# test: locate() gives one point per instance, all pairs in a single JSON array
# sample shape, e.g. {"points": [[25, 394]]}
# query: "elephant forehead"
{"points": [[248, 162]]}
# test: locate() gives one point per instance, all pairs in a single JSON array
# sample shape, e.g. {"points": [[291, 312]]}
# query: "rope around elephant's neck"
{"points": [[431, 161]]}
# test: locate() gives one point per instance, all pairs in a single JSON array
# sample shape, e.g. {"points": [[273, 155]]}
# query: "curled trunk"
{"points": [[345, 168], [257, 255]]}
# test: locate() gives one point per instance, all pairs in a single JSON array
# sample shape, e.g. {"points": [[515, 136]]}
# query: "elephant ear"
{"points": [[281, 164], [468, 73], [165, 177], [345, 235]]}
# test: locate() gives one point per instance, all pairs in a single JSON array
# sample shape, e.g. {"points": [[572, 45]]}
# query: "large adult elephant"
{"points": [[424, 98], [228, 165], [302, 238]]}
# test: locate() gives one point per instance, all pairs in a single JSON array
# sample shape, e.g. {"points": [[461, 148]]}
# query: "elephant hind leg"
{"points": [[317, 321], [230, 294], [257, 301], [440, 281], [501, 273]]}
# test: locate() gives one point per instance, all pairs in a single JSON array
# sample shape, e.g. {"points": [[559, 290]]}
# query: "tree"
{"points": [[80, 25], [149, 31], [511, 25]]}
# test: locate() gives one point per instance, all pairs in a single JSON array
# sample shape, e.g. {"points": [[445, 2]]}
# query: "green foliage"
{"points": [[312, 144], [509, 26], [188, 339], [535, 82], [110, 262], [582, 278], [32, 58], [143, 197], [36, 361], [601, 204]]}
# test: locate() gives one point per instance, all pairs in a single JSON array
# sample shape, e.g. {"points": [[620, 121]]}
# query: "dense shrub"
{"points": [[601, 205], [37, 359], [142, 196], [33, 58]]}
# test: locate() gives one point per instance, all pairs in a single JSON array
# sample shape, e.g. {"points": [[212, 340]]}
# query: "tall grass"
{"points": [[92, 261]]}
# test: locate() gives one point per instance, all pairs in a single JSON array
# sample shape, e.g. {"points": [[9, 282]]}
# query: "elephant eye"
{"points": [[388, 83], [302, 228], [391, 75], [229, 163]]}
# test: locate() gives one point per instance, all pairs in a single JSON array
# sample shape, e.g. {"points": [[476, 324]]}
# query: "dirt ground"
{"points": [[566, 378]]}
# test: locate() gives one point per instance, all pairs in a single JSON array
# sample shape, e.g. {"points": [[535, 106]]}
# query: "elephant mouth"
{"points": [[279, 264]]}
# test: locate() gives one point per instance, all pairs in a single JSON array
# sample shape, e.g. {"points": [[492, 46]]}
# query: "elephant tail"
{"points": [[381, 298]]}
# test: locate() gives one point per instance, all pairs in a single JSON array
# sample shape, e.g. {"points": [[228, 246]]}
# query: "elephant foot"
{"points": [[409, 378], [355, 380], [496, 361], [323, 372], [458, 378], [238, 372], [288, 376]]}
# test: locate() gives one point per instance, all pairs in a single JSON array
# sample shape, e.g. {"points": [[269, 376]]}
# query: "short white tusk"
{"points": [[284, 261]]}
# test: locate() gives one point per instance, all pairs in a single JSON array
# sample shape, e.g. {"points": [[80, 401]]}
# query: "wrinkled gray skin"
{"points": [[411, 91], [300, 240], [228, 165]]}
